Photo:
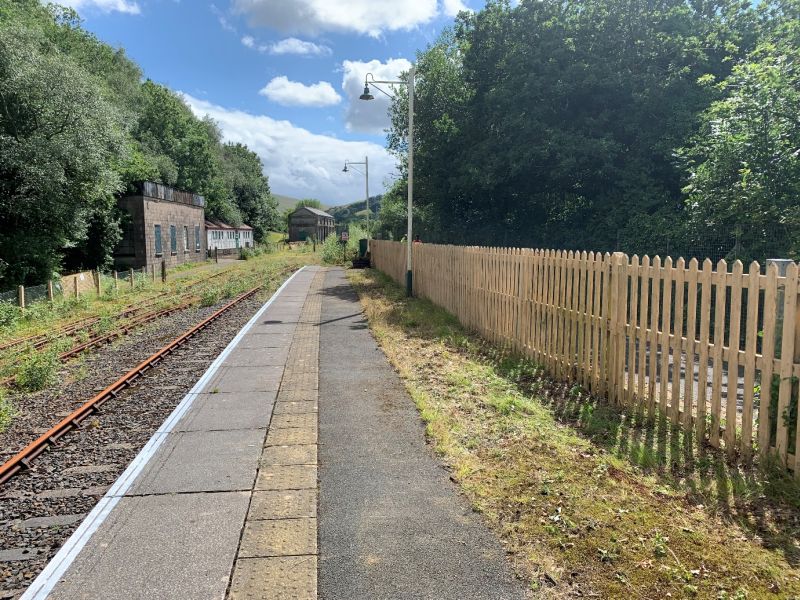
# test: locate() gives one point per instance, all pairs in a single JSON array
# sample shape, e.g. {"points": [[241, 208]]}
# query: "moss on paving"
{"points": [[589, 502]]}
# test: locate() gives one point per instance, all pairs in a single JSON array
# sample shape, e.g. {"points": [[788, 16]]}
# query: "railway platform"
{"points": [[296, 467]]}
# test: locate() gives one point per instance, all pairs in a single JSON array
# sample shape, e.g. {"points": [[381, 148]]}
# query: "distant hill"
{"points": [[355, 211], [285, 202]]}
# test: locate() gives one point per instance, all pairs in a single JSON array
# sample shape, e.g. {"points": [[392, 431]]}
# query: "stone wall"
{"points": [[138, 247]]}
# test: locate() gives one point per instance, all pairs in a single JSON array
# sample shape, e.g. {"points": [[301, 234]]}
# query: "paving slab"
{"points": [[245, 379], [224, 411], [283, 537], [285, 437], [286, 477], [305, 454], [391, 523], [265, 340], [257, 357], [275, 578], [283, 504], [285, 407], [292, 421], [201, 461], [166, 547]]}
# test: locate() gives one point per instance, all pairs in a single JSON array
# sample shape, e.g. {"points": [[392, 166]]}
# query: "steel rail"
{"points": [[22, 460]]}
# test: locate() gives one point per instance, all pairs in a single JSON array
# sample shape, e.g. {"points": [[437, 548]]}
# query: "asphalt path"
{"points": [[391, 523]]}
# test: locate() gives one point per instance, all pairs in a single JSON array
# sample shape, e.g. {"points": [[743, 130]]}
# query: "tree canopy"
{"points": [[579, 123], [79, 127]]}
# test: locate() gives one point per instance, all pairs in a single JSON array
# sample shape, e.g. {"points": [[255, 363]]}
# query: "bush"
{"points": [[210, 296], [9, 314], [37, 371]]}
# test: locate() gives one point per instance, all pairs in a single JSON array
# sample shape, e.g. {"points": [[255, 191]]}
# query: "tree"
{"points": [[744, 163], [311, 202], [58, 140], [244, 175]]}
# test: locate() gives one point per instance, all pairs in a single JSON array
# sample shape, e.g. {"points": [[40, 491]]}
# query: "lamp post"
{"points": [[370, 80], [347, 165]]}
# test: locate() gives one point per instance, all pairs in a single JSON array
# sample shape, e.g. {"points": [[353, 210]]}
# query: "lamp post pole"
{"points": [[410, 241], [369, 80], [347, 165]]}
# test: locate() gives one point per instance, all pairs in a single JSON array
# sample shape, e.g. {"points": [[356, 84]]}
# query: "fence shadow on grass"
{"points": [[762, 498]]}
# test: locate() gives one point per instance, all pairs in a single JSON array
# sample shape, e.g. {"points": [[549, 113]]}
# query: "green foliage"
{"points": [[555, 123], [9, 315], [311, 202], [210, 296], [7, 411], [77, 127], [336, 253], [37, 370], [744, 163]]}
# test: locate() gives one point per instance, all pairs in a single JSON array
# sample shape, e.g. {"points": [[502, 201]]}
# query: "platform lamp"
{"points": [[347, 165], [369, 80]]}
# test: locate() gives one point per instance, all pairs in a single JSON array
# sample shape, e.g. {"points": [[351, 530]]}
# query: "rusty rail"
{"points": [[22, 460]]}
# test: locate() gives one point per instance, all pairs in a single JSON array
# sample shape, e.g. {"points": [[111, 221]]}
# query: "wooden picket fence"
{"points": [[716, 350]]}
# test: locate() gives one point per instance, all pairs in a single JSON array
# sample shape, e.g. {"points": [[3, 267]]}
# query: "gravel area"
{"points": [[40, 508]]}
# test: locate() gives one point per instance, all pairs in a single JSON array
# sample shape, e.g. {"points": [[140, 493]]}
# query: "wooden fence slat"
{"points": [[677, 329], [733, 359], [655, 299], [765, 416], [787, 360], [666, 310], [751, 344], [644, 297], [720, 287], [702, 364], [691, 338]]}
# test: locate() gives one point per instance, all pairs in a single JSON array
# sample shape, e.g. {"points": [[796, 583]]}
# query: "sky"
{"points": [[282, 76]]}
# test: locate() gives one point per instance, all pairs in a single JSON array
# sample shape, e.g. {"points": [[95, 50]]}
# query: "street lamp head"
{"points": [[345, 168], [366, 95]]}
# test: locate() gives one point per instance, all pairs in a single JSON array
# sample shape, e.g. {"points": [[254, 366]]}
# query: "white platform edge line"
{"points": [[49, 577]]}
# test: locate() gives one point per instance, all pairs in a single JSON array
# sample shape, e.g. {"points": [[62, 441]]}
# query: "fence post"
{"points": [[617, 308], [75, 289], [96, 275], [21, 297], [116, 282], [153, 273], [216, 254], [163, 271], [130, 271], [50, 291]]}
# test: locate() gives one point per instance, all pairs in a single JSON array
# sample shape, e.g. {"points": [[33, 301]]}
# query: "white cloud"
{"points": [[298, 162], [371, 17], [249, 41], [123, 6], [293, 93], [294, 46], [452, 7], [369, 116]]}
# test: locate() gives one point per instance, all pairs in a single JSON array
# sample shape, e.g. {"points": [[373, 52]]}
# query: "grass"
{"points": [[587, 500], [7, 411]]}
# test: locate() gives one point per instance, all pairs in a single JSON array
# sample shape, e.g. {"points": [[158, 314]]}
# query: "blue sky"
{"points": [[282, 76]]}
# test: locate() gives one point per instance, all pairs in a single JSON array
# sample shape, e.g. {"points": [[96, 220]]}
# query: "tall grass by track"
{"points": [[590, 502]]}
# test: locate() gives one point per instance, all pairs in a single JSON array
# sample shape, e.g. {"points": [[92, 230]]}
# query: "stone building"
{"points": [[161, 224], [306, 222]]}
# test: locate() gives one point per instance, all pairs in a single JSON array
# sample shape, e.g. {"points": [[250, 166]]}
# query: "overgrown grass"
{"points": [[38, 370], [589, 501], [7, 411]]}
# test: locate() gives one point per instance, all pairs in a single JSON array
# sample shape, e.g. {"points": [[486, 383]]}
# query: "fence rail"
{"points": [[717, 350]]}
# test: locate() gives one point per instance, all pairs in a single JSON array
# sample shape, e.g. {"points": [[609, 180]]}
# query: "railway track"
{"points": [[39, 341], [41, 506], [22, 460]]}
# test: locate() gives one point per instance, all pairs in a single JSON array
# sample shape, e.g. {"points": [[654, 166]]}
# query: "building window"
{"points": [[185, 238], [157, 236], [197, 238], [173, 240]]}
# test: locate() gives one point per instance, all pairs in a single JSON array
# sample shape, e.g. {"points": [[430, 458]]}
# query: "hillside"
{"points": [[355, 211]]}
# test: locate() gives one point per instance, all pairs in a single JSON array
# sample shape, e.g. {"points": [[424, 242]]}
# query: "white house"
{"points": [[223, 236]]}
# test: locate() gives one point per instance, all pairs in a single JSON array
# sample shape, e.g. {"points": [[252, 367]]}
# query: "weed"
{"points": [[7, 411], [37, 370], [210, 296], [9, 314]]}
